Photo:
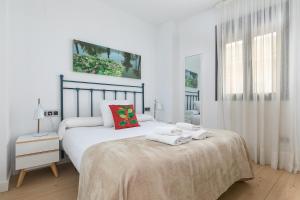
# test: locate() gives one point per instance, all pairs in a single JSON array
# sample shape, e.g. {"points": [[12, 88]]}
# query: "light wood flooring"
{"points": [[268, 184]]}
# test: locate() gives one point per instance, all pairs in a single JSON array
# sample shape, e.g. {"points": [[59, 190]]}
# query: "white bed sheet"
{"points": [[77, 140]]}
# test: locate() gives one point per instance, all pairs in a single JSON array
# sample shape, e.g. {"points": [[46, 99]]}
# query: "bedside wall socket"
{"points": [[51, 113]]}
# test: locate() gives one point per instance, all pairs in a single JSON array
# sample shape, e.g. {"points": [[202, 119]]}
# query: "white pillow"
{"points": [[192, 112], [144, 117], [108, 120], [197, 105], [78, 122]]}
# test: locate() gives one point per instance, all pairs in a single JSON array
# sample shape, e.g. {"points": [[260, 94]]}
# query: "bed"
{"points": [[77, 140], [123, 165]]}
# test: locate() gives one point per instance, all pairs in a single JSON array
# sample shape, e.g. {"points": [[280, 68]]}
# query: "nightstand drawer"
{"points": [[34, 160], [36, 146]]}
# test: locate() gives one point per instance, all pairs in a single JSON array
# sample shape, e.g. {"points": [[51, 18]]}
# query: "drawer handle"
{"points": [[56, 138], [42, 152]]}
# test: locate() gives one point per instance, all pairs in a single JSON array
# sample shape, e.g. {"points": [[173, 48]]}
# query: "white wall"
{"points": [[192, 63], [4, 104], [197, 36], [41, 34], [167, 42]]}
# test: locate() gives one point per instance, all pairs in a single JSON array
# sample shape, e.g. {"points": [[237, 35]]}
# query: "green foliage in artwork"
{"points": [[96, 65], [191, 79], [192, 83]]}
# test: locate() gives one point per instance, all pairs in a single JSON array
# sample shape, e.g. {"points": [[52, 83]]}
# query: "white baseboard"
{"points": [[4, 186]]}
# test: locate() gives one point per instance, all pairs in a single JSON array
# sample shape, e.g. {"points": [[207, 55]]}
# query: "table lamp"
{"points": [[39, 115], [157, 106]]}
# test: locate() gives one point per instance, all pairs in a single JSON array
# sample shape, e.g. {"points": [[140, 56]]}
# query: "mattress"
{"points": [[77, 140]]}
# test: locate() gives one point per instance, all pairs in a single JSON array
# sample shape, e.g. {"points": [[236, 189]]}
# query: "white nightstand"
{"points": [[33, 152]]}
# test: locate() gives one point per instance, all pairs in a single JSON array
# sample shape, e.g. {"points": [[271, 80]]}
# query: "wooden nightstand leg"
{"points": [[54, 169], [21, 177]]}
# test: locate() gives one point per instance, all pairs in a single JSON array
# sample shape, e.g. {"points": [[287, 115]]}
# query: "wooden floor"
{"points": [[41, 184]]}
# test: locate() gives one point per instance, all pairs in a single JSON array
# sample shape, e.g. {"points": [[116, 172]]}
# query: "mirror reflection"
{"points": [[192, 89]]}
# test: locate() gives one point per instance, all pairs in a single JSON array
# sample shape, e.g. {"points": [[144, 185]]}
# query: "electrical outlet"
{"points": [[55, 113], [51, 113]]}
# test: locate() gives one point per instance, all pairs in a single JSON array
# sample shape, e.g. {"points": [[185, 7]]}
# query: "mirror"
{"points": [[192, 105]]}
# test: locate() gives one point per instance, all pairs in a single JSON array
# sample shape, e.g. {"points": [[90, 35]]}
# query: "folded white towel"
{"points": [[168, 131], [201, 134], [171, 140], [187, 126]]}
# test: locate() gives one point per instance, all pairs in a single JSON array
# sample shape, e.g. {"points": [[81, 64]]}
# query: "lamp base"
{"points": [[40, 134]]}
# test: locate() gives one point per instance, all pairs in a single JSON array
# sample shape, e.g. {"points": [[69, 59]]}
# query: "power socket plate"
{"points": [[51, 113]]}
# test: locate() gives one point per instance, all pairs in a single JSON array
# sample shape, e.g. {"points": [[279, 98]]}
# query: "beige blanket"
{"points": [[139, 169]]}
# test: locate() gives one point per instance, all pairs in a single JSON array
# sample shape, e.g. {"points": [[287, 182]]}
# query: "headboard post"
{"points": [[143, 97], [61, 97]]}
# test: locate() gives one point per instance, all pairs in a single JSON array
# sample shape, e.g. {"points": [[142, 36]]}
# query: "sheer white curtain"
{"points": [[256, 78]]}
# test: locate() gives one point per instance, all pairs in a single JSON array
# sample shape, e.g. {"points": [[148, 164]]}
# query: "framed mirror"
{"points": [[192, 103]]}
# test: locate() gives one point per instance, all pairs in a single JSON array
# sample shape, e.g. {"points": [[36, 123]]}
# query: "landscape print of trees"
{"points": [[191, 79], [95, 59]]}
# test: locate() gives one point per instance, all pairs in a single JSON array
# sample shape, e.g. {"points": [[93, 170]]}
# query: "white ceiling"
{"points": [[159, 11]]}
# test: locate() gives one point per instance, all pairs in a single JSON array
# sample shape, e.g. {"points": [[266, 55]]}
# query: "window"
{"points": [[234, 68], [264, 63], [252, 55], [252, 70], [263, 66]]}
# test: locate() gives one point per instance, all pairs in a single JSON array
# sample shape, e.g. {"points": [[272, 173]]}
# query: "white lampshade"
{"points": [[39, 113], [159, 106]]}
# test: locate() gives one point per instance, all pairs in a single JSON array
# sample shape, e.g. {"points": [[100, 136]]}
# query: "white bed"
{"points": [[76, 140], [84, 139], [86, 148], [192, 116], [137, 168]]}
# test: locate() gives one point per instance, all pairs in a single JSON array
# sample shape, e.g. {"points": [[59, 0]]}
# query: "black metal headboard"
{"points": [[125, 90], [190, 98]]}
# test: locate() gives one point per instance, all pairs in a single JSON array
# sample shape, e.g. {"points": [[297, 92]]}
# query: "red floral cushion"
{"points": [[124, 116]]}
